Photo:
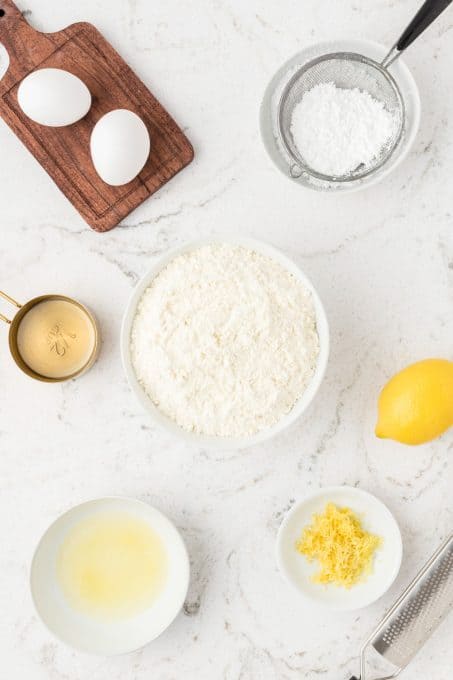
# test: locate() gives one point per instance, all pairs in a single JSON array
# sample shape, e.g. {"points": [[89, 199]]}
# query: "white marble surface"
{"points": [[382, 261]]}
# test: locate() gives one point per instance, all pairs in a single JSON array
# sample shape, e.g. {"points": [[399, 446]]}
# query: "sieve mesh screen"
{"points": [[346, 70]]}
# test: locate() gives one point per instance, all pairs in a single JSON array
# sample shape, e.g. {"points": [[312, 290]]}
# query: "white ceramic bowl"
{"points": [[375, 518], [225, 443], [269, 112], [107, 637]]}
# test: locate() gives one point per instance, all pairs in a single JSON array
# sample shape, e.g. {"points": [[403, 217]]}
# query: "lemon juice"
{"points": [[112, 566]]}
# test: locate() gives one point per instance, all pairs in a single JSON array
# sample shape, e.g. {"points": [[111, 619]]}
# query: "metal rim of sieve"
{"points": [[299, 165]]}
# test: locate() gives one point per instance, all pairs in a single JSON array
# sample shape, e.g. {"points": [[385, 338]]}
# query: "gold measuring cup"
{"points": [[55, 341]]}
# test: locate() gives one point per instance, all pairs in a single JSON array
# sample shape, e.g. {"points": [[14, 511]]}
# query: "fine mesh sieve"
{"points": [[422, 607], [348, 70]]}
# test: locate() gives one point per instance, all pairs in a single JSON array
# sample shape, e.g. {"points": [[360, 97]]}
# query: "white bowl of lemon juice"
{"points": [[109, 575]]}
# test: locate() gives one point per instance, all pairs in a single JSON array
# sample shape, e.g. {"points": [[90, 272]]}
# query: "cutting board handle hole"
{"points": [[4, 60], [2, 13]]}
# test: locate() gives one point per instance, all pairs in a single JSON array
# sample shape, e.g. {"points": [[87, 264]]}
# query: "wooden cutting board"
{"points": [[65, 152]]}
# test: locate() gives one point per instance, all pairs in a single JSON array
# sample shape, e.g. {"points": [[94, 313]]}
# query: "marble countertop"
{"points": [[382, 261]]}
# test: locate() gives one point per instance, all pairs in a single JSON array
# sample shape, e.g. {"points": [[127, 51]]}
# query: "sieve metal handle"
{"points": [[12, 301], [425, 16]]}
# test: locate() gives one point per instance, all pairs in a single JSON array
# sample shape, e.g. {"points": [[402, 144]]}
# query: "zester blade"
{"points": [[419, 611]]}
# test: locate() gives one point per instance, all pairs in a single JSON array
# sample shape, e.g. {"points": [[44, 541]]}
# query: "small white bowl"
{"points": [[269, 112], [375, 518], [225, 443], [107, 637]]}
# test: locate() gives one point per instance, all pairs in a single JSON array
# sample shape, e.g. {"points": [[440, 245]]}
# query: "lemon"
{"points": [[416, 405]]}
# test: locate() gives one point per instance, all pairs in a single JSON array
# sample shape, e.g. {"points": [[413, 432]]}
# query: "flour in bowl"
{"points": [[224, 341], [338, 130]]}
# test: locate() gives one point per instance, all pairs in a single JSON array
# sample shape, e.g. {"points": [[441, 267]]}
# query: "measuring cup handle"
{"points": [[425, 16], [12, 301]]}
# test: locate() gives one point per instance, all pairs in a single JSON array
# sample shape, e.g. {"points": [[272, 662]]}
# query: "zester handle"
{"points": [[387, 677]]}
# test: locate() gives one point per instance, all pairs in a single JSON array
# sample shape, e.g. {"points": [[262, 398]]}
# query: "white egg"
{"points": [[120, 146], [54, 97]]}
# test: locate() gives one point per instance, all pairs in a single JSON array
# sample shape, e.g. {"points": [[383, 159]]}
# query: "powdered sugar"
{"points": [[338, 130]]}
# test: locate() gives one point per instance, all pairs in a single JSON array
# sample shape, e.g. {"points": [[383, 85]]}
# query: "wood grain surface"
{"points": [[65, 152]]}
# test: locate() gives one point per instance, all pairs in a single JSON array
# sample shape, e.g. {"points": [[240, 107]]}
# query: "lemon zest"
{"points": [[342, 547]]}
